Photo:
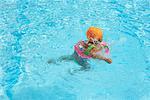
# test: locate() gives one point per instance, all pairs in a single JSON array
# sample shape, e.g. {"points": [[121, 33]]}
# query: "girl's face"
{"points": [[94, 41]]}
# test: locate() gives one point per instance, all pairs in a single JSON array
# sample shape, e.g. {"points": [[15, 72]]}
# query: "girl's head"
{"points": [[94, 33]]}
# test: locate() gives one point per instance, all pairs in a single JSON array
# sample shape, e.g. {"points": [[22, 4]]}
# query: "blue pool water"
{"points": [[34, 31]]}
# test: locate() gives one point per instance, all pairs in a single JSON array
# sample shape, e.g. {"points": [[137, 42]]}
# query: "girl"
{"points": [[94, 48]]}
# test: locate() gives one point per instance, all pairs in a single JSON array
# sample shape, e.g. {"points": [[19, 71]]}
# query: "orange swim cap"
{"points": [[95, 33]]}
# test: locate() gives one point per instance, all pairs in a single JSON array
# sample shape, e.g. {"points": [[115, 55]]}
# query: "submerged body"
{"points": [[81, 61]]}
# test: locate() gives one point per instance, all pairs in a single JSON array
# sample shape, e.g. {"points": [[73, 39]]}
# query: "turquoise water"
{"points": [[34, 31]]}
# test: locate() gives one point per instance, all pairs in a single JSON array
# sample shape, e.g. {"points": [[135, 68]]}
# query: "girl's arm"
{"points": [[97, 56]]}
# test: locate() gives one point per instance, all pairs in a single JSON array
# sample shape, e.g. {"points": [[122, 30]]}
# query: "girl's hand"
{"points": [[108, 60]]}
